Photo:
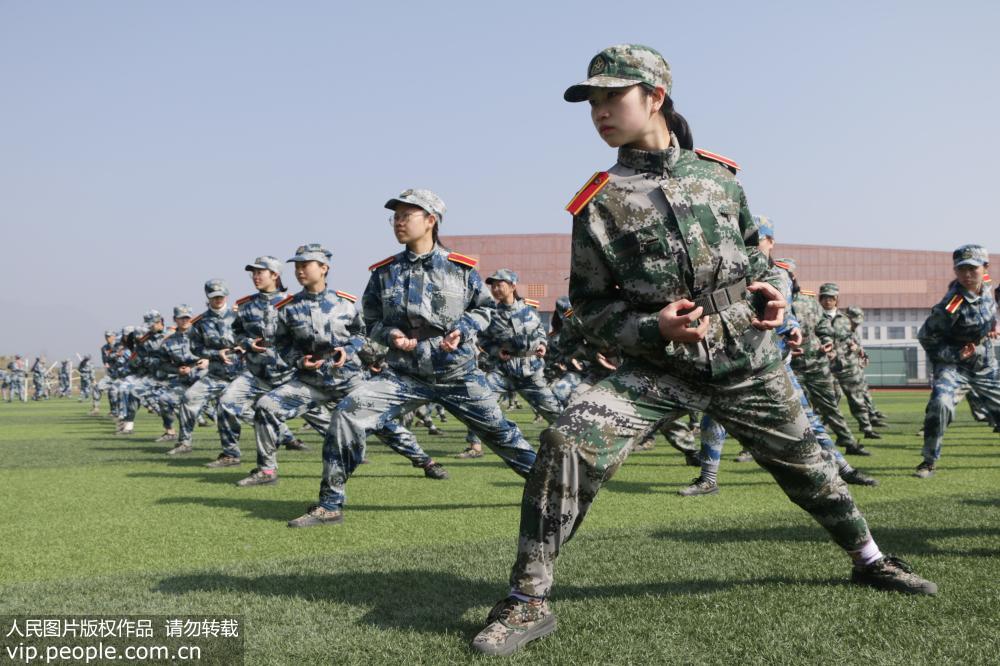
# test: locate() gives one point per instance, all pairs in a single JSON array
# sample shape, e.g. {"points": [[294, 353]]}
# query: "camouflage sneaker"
{"points": [[512, 624], [296, 445], [892, 573], [258, 478], [470, 452], [316, 515], [858, 478], [166, 437], [224, 461], [855, 449], [743, 456], [433, 470], [871, 434], [183, 447], [699, 486], [925, 470]]}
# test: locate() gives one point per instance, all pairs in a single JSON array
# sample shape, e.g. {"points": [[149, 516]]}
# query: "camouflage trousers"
{"points": [[41, 386], [236, 406], [171, 396], [86, 387], [565, 387], [713, 435], [594, 436], [142, 391], [532, 388], [197, 396], [821, 390], [852, 382], [64, 386], [109, 385], [382, 400], [18, 388], [296, 398], [950, 384]]}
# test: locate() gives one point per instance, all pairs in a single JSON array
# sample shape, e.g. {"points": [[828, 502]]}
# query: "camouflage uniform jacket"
{"points": [[86, 369], [960, 318], [37, 369], [212, 333], [257, 317], [175, 352], [516, 329], [65, 367], [809, 314], [669, 225], [316, 324], [146, 359], [837, 329], [16, 368], [427, 297]]}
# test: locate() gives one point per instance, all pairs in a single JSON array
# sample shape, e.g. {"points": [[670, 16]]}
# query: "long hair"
{"points": [[676, 123]]}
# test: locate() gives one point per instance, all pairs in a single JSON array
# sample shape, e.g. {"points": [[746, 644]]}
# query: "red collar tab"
{"points": [[384, 262], [715, 157], [588, 192], [462, 259]]}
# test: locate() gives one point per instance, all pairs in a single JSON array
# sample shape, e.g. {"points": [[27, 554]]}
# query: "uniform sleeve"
{"points": [[537, 336], [759, 268], [488, 341], [284, 341], [479, 307], [935, 337], [356, 330], [371, 306], [824, 330], [607, 318], [198, 343], [240, 337]]}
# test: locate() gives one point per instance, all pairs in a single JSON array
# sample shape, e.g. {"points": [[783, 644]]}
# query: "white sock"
{"points": [[869, 553]]}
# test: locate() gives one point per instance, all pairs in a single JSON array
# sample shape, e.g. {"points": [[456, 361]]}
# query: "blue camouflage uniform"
{"points": [[425, 297], [86, 370], [65, 387], [143, 383], [960, 318], [176, 353], [39, 379], [18, 387]]}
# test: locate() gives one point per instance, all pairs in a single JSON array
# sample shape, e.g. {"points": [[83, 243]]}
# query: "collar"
{"points": [[831, 313], [413, 257], [658, 162]]}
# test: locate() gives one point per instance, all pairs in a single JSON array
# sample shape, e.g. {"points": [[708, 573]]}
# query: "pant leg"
{"points": [[236, 406], [539, 396], [821, 391], [584, 448], [851, 383], [279, 405], [948, 385], [713, 436], [814, 421], [205, 389], [679, 434], [765, 415]]}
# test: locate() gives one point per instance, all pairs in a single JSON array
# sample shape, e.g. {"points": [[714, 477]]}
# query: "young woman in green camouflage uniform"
{"points": [[665, 268]]}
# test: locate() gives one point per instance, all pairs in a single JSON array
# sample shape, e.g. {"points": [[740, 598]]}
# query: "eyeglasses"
{"points": [[395, 219]]}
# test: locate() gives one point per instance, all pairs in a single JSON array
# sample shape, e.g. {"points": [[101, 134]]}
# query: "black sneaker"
{"points": [[893, 574], [317, 515], [925, 470], [224, 461], [855, 449], [433, 470], [434, 430], [258, 478], [512, 624], [699, 486], [858, 478], [296, 445], [871, 434]]}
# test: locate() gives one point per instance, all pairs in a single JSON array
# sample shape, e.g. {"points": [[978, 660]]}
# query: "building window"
{"points": [[896, 333], [876, 315], [889, 315], [864, 332], [878, 332], [535, 290], [913, 332]]}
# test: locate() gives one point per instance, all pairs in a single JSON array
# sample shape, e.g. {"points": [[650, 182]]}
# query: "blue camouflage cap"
{"points": [[216, 287], [128, 329], [424, 199], [765, 226], [312, 252], [829, 289], [504, 274], [970, 255], [110, 333], [266, 262], [621, 66], [181, 311], [152, 316]]}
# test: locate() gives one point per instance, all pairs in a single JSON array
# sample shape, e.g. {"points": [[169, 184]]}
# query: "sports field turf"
{"points": [[94, 524]]}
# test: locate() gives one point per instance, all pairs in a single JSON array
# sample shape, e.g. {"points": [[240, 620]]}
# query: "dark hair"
{"points": [[795, 285], [281, 285], [676, 123], [434, 233]]}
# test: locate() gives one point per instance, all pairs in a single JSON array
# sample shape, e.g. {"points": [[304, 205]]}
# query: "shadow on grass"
{"points": [[916, 541], [431, 601], [284, 510], [982, 502]]}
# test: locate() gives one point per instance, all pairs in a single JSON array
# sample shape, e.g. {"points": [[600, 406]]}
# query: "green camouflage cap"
{"points": [[854, 313], [216, 287], [829, 289], [424, 199], [181, 311], [504, 274], [621, 66], [312, 252], [266, 262], [970, 255]]}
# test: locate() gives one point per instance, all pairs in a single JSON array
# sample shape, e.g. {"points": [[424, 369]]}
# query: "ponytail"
{"points": [[676, 123]]}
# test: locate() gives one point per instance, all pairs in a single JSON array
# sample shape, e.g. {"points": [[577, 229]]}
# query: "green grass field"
{"points": [[96, 524]]}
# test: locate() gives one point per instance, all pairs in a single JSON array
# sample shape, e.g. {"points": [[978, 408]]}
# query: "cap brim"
{"points": [[216, 293], [970, 262], [581, 91], [253, 267]]}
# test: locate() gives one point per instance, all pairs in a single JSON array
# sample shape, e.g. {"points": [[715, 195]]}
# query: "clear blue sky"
{"points": [[148, 146]]}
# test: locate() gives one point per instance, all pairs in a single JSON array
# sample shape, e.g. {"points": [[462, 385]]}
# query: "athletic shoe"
{"points": [[858, 478], [855, 449], [224, 461], [470, 453], [891, 573], [166, 437], [699, 486], [433, 430], [744, 456], [880, 423], [296, 445], [258, 478], [183, 447], [871, 434], [512, 624], [317, 515], [925, 470], [433, 470]]}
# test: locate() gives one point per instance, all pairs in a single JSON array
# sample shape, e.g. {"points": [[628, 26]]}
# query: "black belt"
{"points": [[720, 299], [420, 333]]}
